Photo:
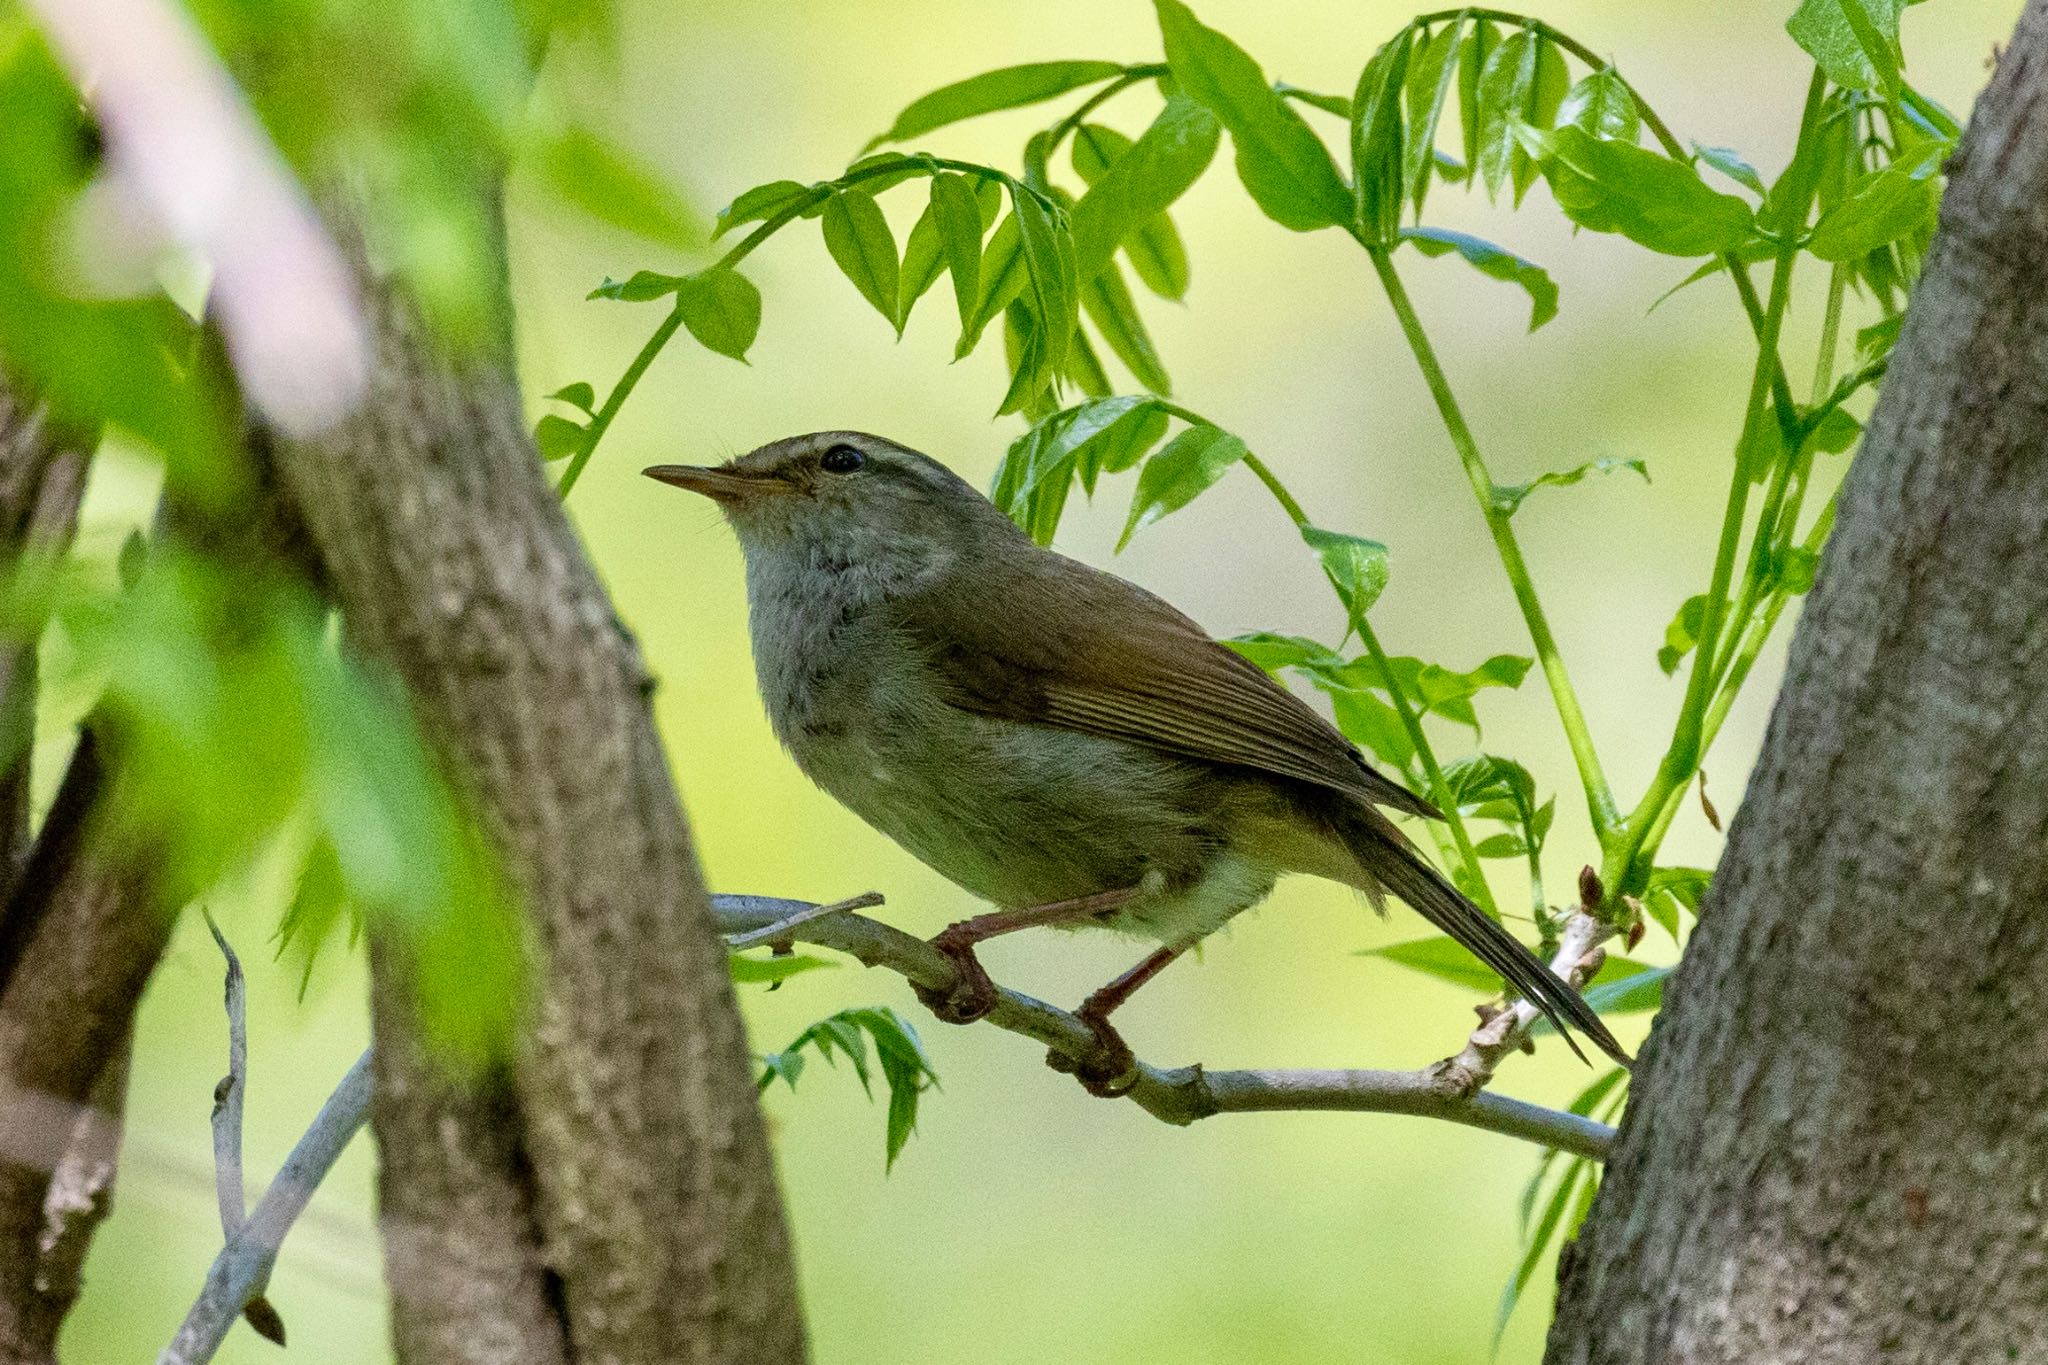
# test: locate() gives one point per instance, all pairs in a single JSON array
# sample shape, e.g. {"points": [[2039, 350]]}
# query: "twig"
{"points": [[780, 929], [1178, 1095], [227, 1095], [243, 1266], [228, 1099]]}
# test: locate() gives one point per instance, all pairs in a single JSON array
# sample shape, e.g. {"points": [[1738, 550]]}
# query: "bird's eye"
{"points": [[841, 460]]}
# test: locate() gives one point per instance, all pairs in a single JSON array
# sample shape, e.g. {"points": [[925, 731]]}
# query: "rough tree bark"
{"points": [[1838, 1141], [79, 934], [613, 1198]]}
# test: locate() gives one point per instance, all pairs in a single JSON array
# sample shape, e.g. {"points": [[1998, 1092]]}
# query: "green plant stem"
{"points": [[1411, 722], [1780, 517], [1599, 796], [616, 399], [1133, 75], [1628, 858], [1737, 673]]}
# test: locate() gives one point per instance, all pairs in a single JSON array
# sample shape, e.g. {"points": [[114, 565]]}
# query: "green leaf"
{"points": [[1153, 247], [644, 285], [1635, 989], [1856, 42], [1030, 391], [1682, 636], [1377, 163], [605, 182], [1084, 367], [1047, 249], [1833, 434], [957, 216], [1179, 472], [1730, 163], [1329, 104], [1135, 188], [1003, 277], [1875, 342], [557, 437], [1357, 567], [577, 395], [860, 242], [317, 903], [1472, 118], [1489, 787], [1431, 74], [1650, 199], [1506, 84], [1434, 688], [1602, 104], [924, 261], [1011, 87], [1105, 436], [1672, 889], [1546, 96], [772, 970], [1494, 262], [906, 1068], [1276, 652], [1509, 497], [1284, 165], [1440, 957], [764, 201], [1096, 148], [1110, 307], [1373, 725], [1580, 1173], [722, 309], [1881, 209]]}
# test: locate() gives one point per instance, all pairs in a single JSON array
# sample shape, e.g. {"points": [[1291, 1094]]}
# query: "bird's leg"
{"points": [[972, 994], [1112, 1071]]}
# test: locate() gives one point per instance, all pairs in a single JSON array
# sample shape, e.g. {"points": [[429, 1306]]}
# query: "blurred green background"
{"points": [[1027, 1222]]}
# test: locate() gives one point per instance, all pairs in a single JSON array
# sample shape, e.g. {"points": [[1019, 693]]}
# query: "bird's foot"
{"points": [[1111, 1070], [970, 996]]}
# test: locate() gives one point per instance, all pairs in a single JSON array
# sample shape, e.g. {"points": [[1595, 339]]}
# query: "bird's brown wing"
{"points": [[1050, 641]]}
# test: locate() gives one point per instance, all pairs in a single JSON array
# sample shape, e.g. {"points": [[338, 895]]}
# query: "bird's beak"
{"points": [[720, 484]]}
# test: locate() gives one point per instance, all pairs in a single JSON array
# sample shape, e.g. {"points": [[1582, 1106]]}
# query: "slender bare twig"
{"points": [[227, 1095], [228, 1100], [782, 929], [244, 1264], [1178, 1095]]}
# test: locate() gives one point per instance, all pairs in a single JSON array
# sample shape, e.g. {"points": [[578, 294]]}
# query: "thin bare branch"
{"points": [[1178, 1095], [243, 1267], [229, 1098]]}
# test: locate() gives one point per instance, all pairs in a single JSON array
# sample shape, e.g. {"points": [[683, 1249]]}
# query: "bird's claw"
{"points": [[1109, 1072], [969, 997]]}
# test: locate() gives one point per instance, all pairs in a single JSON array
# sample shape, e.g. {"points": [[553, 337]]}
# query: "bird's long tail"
{"points": [[1402, 871]]}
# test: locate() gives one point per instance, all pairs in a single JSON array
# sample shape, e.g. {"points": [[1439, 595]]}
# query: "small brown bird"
{"points": [[1052, 738]]}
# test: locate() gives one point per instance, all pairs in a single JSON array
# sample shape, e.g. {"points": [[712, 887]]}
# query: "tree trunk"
{"points": [[80, 932], [1838, 1140], [613, 1199]]}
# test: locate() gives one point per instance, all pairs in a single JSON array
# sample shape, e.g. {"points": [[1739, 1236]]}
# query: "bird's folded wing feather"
{"points": [[1057, 643]]}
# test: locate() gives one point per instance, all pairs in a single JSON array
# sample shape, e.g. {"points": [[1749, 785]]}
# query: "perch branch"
{"points": [[1178, 1095]]}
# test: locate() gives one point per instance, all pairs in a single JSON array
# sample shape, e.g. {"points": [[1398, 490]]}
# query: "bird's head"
{"points": [[846, 498]]}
